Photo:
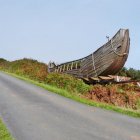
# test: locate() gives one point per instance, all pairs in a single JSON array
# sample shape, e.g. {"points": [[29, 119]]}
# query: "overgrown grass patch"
{"points": [[4, 134], [67, 82], [28, 67]]}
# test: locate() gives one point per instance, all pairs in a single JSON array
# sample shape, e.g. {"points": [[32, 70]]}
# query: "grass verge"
{"points": [[4, 134], [72, 96]]}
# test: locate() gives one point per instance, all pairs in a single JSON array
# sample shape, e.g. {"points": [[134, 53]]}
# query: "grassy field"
{"points": [[65, 93], [4, 134]]}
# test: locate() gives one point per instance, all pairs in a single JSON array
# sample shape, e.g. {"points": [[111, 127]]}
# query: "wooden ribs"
{"points": [[107, 60]]}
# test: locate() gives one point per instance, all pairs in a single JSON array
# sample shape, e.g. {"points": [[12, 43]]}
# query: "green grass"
{"points": [[75, 97], [4, 134]]}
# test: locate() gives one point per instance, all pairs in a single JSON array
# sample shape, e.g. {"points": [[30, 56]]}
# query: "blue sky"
{"points": [[63, 30]]}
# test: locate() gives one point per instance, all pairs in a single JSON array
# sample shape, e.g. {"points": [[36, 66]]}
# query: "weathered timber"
{"points": [[107, 60]]}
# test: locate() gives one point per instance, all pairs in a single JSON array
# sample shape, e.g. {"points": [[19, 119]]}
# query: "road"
{"points": [[32, 113]]}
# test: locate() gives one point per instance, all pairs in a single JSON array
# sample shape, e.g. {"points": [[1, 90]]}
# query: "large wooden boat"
{"points": [[107, 60]]}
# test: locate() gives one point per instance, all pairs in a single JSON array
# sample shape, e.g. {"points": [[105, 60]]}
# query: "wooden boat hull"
{"points": [[107, 60]]}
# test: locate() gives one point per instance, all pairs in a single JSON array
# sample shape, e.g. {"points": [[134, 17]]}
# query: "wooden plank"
{"points": [[95, 78], [105, 78]]}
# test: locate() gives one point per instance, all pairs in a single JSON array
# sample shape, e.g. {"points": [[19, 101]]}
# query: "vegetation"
{"points": [[4, 134], [26, 67], [123, 95], [81, 98], [67, 82], [133, 73], [123, 98]]}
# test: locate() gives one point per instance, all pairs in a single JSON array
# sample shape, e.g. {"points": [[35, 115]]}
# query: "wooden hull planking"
{"points": [[107, 60]]}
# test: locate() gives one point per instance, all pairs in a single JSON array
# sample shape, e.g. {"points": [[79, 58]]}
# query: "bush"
{"points": [[119, 95], [3, 63], [27, 67], [67, 82], [133, 73]]}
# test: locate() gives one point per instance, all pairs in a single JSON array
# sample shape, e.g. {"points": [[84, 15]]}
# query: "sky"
{"points": [[65, 30]]}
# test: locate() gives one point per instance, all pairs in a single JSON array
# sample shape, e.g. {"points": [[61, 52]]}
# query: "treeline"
{"points": [[131, 72]]}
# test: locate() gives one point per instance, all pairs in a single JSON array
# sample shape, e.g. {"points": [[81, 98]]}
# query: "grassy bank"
{"points": [[4, 134], [123, 98], [78, 98]]}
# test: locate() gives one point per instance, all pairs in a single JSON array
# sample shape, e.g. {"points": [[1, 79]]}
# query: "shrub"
{"points": [[27, 67], [119, 95], [67, 82]]}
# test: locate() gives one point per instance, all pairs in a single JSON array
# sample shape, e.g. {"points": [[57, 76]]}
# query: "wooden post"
{"points": [[67, 66], [64, 68], [71, 65], [60, 68], [76, 65]]}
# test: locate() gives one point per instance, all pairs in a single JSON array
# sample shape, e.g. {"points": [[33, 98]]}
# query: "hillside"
{"points": [[122, 95], [27, 67]]}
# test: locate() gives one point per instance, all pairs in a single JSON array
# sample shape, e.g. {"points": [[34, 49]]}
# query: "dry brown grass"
{"points": [[124, 95]]}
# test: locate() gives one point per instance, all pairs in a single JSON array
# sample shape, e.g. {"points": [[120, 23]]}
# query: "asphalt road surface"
{"points": [[32, 113]]}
